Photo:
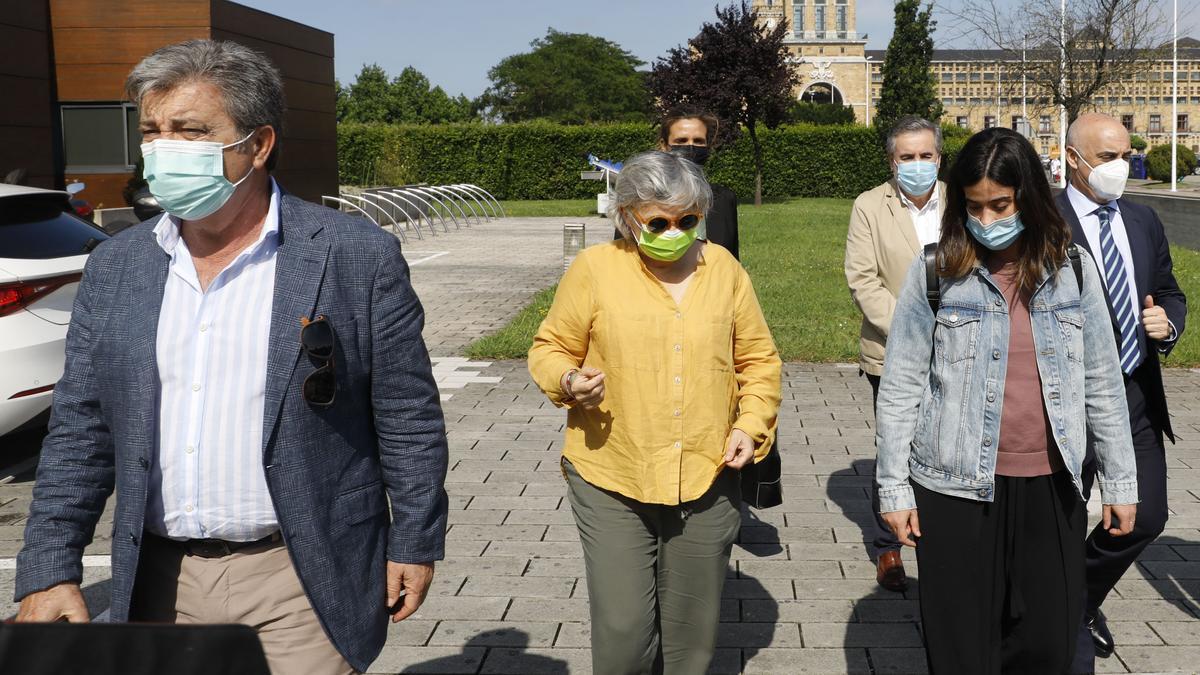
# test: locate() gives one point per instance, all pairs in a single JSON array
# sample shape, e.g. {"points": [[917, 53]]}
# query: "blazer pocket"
{"points": [[360, 504]]}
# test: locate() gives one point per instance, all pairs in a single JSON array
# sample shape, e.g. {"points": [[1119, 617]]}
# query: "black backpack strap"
{"points": [[933, 289], [1076, 264]]}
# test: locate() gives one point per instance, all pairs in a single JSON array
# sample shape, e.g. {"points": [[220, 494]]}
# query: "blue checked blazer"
{"points": [[331, 472]]}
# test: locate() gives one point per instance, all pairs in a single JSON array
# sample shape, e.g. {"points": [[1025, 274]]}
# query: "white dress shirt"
{"points": [[207, 478], [1085, 210], [927, 220]]}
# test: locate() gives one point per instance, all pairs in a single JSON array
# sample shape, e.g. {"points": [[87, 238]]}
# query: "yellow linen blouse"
{"points": [[678, 378]]}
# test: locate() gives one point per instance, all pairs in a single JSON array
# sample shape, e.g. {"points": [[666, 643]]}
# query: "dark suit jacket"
{"points": [[721, 221], [1152, 276], [331, 472]]}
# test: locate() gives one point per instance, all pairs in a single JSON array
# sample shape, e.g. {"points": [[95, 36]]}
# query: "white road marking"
{"points": [[428, 258]]}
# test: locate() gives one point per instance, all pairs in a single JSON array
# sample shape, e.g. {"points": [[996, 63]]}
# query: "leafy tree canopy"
{"points": [[406, 99], [909, 87], [807, 112], [571, 78]]}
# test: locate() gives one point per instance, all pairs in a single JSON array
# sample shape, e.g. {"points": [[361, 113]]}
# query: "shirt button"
{"points": [[991, 396], [678, 348], [196, 387], [678, 444], [203, 327], [678, 412], [188, 508], [190, 449], [999, 303], [953, 317], [987, 441], [678, 380], [996, 354], [678, 315]]}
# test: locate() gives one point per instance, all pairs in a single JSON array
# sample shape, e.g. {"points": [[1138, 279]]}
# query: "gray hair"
{"points": [[656, 177], [912, 124], [250, 85]]}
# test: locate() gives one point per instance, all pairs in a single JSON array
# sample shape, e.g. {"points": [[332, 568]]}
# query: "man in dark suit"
{"points": [[248, 373], [1148, 313], [690, 132]]}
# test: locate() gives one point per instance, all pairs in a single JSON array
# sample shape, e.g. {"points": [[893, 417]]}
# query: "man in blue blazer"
{"points": [[1148, 312], [248, 373]]}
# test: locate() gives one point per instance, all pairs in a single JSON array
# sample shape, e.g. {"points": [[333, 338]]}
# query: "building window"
{"points": [[960, 77], [100, 137], [1155, 124], [1016, 123], [841, 20], [962, 121], [989, 121], [1127, 122], [1044, 124], [1181, 123], [798, 19], [819, 18]]}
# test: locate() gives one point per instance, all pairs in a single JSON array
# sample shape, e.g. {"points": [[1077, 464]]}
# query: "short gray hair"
{"points": [[910, 124], [250, 85], [656, 177]]}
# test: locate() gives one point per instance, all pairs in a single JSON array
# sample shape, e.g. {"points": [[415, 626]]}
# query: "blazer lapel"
{"points": [[902, 217], [149, 265], [299, 271], [1139, 250], [1080, 239]]}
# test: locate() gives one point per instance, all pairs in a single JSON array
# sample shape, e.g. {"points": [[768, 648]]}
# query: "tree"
{"points": [[1158, 162], [1138, 143], [406, 99], [341, 100], [1099, 47], [736, 69], [807, 112], [570, 78], [909, 87]]}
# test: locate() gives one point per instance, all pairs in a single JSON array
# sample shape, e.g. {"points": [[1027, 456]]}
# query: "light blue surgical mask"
{"points": [[916, 178], [997, 235], [188, 177]]}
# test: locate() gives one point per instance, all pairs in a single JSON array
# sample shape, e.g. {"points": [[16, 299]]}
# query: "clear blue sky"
{"points": [[455, 42]]}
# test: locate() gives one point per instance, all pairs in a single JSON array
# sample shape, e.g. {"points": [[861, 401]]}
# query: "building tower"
{"points": [[826, 50]]}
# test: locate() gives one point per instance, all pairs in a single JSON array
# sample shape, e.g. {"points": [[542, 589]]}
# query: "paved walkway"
{"points": [[800, 596]]}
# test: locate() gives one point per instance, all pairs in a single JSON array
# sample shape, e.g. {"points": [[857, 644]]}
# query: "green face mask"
{"points": [[668, 246]]}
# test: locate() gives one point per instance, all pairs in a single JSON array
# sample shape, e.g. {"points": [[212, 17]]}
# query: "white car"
{"points": [[43, 247]]}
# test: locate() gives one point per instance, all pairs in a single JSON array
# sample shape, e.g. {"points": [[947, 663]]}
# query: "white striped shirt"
{"points": [[207, 478]]}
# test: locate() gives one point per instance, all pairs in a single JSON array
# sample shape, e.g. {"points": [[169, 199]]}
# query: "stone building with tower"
{"points": [[979, 88]]}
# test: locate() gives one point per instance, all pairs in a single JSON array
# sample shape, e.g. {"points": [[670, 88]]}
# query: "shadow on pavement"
{"points": [[503, 650]]}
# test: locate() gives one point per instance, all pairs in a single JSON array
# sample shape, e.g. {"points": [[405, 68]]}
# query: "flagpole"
{"points": [[1175, 102], [1062, 88]]}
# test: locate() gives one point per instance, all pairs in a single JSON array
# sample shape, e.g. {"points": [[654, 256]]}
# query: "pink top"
{"points": [[1026, 446]]}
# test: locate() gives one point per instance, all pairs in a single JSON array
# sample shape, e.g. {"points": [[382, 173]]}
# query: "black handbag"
{"points": [[762, 486]]}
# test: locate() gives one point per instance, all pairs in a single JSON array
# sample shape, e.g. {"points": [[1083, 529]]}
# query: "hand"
{"points": [[739, 449], [413, 580], [57, 603], [1126, 515], [1154, 318], [587, 387], [904, 523]]}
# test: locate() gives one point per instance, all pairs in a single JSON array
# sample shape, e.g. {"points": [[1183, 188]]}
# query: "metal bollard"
{"points": [[573, 242]]}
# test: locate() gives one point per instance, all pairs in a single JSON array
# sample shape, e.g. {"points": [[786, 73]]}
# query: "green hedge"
{"points": [[542, 161]]}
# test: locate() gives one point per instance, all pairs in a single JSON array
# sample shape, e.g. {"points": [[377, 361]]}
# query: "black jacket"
{"points": [[721, 222], [1152, 276]]}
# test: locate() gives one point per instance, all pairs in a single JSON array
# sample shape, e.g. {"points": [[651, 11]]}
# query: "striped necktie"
{"points": [[1118, 293]]}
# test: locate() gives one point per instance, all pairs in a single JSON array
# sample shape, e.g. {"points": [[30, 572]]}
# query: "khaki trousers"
{"points": [[654, 575], [255, 586]]}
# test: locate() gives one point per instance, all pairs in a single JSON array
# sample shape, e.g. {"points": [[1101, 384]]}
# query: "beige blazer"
{"points": [[880, 245]]}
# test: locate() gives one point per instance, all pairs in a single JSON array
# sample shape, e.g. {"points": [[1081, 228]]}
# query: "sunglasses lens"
{"points": [[658, 224], [317, 339], [689, 221], [320, 386]]}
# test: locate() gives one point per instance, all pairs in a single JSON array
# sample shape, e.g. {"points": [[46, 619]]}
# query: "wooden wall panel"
{"points": [[26, 52], [84, 46], [306, 125], [32, 149], [294, 63], [302, 95], [129, 13], [26, 101], [307, 155], [233, 18]]}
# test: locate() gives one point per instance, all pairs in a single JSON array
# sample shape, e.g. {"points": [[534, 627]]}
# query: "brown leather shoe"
{"points": [[889, 572]]}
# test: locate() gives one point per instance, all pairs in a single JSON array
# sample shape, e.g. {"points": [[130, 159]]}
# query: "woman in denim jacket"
{"points": [[985, 410]]}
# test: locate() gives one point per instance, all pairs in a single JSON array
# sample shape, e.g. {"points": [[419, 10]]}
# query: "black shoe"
{"points": [[1101, 637]]}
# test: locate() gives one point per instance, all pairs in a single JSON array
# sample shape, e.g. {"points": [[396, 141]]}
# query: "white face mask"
{"points": [[1108, 179]]}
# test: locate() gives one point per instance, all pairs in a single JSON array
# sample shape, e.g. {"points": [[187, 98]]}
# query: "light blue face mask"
{"points": [[999, 234], [916, 178], [188, 177]]}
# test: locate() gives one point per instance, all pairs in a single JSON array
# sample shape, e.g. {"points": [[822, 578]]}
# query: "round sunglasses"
{"points": [[659, 224]]}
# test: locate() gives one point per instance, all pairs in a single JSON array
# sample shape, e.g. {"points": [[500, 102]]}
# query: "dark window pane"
{"points": [[39, 227], [94, 136], [135, 136]]}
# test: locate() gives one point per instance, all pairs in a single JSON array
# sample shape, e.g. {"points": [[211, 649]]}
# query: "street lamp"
{"points": [[1175, 101]]}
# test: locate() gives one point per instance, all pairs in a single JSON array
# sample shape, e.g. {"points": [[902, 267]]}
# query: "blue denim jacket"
{"points": [[938, 416]]}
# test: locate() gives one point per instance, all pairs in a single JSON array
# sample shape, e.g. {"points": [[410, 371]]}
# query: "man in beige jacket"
{"points": [[889, 226]]}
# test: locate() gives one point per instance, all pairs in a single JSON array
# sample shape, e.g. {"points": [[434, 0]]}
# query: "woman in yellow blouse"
{"points": [[658, 348]]}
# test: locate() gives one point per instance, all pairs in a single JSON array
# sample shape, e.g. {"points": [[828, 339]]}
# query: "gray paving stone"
{"points": [[1160, 659], [860, 635], [898, 661], [442, 607], [504, 661], [494, 634], [441, 660], [518, 587], [806, 661], [761, 635], [531, 609]]}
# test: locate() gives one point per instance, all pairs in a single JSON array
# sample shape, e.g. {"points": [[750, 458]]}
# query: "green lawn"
{"points": [[567, 208], [793, 251]]}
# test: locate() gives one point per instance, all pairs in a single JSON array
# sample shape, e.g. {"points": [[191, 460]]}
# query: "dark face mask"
{"points": [[695, 153]]}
